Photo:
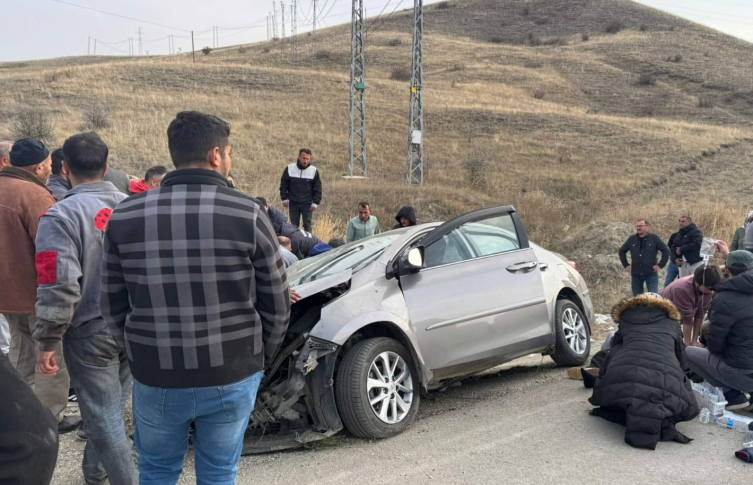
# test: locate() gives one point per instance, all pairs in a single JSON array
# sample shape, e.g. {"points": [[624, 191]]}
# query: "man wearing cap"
{"points": [[24, 197], [727, 362]]}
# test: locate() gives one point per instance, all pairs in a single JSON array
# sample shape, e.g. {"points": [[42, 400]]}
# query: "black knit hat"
{"points": [[28, 151]]}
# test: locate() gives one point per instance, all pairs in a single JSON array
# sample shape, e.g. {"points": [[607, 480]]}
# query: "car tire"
{"points": [[363, 362], [569, 325]]}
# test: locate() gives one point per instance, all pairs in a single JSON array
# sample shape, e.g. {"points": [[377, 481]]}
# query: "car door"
{"points": [[479, 297]]}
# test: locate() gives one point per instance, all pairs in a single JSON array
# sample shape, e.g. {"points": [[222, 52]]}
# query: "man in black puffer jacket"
{"points": [[727, 362], [643, 266], [686, 247], [642, 384]]}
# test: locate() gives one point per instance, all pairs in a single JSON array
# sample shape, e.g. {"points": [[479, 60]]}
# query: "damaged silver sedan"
{"points": [[385, 319]]}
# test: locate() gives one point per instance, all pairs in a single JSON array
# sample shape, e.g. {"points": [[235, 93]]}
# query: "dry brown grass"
{"points": [[582, 152]]}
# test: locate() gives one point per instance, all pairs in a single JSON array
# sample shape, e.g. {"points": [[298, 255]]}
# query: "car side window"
{"points": [[491, 236], [450, 249]]}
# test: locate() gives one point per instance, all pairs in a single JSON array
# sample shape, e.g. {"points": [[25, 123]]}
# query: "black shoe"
{"points": [[68, 424], [82, 434], [736, 400]]}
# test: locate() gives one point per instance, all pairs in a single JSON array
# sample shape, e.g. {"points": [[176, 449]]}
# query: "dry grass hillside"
{"points": [[579, 112]]}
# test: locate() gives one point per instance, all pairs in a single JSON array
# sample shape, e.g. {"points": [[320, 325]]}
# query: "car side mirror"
{"points": [[412, 261]]}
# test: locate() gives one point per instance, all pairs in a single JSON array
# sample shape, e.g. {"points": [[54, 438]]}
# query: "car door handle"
{"points": [[543, 266], [525, 267]]}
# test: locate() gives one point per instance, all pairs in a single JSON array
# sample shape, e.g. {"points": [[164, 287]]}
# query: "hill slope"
{"points": [[569, 133]]}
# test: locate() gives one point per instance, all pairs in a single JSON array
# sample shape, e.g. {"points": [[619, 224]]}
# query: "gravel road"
{"points": [[524, 423]]}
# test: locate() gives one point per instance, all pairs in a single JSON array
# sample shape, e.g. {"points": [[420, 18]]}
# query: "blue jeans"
{"points": [[163, 417], [673, 272], [99, 372], [652, 284]]}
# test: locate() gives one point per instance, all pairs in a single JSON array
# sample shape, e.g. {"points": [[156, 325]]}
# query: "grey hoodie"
{"points": [[69, 259], [58, 186]]}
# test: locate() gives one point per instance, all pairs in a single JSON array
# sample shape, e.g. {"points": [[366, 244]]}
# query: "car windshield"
{"points": [[354, 256]]}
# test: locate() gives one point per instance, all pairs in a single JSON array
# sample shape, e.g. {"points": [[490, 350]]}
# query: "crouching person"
{"points": [[642, 385], [68, 259]]}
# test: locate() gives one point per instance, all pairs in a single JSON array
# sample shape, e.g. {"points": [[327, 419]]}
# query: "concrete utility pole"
{"points": [[416, 107], [140, 41], [267, 26], [95, 47], [357, 141], [89, 46], [282, 16], [193, 51]]}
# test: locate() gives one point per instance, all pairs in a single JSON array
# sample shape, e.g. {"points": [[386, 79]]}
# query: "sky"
{"points": [[40, 29]]}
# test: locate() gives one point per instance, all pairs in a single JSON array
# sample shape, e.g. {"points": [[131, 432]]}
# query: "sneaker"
{"points": [[574, 372], [736, 400], [68, 424]]}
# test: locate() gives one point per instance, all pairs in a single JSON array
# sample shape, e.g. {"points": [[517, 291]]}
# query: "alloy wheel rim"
{"points": [[390, 387], [574, 329]]}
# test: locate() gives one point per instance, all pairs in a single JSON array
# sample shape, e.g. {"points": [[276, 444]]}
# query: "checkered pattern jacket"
{"points": [[193, 283]]}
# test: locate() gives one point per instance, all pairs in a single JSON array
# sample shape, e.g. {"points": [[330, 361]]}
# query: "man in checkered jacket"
{"points": [[194, 290]]}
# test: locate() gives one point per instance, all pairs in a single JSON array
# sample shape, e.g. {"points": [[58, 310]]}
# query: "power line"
{"points": [[118, 15]]}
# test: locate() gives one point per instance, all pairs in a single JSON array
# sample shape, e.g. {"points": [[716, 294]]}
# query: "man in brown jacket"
{"points": [[23, 198]]}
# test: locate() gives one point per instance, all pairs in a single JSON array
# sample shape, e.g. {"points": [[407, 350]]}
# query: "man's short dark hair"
{"points": [[336, 242], [156, 171], [191, 135], [86, 155], [278, 229], [643, 221], [57, 161], [364, 205], [263, 201], [304, 150], [708, 276], [690, 220]]}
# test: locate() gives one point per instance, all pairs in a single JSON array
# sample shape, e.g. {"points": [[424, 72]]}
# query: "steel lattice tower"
{"points": [[416, 108], [357, 142]]}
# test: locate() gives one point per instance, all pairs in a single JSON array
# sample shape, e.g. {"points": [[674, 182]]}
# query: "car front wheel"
{"points": [[573, 340], [377, 388]]}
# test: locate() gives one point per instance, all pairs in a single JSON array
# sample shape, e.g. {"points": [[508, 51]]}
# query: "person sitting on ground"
{"points": [[363, 225], [692, 296], [152, 179], [727, 362], [276, 216], [58, 182], [286, 248], [302, 242], [405, 217], [738, 240], [336, 242], [642, 384]]}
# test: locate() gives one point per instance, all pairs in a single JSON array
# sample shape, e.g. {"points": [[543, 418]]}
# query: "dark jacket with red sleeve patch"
{"points": [[69, 260]]}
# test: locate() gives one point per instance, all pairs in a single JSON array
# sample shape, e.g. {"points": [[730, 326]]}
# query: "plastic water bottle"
{"points": [[733, 421], [705, 416]]}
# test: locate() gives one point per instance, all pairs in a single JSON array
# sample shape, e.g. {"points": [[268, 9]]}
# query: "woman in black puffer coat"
{"points": [[642, 384]]}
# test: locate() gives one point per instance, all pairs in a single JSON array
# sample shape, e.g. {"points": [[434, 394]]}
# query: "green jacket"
{"points": [[738, 240], [357, 229]]}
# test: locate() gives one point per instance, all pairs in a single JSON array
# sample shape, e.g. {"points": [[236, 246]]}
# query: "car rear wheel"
{"points": [[377, 389], [573, 343]]}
